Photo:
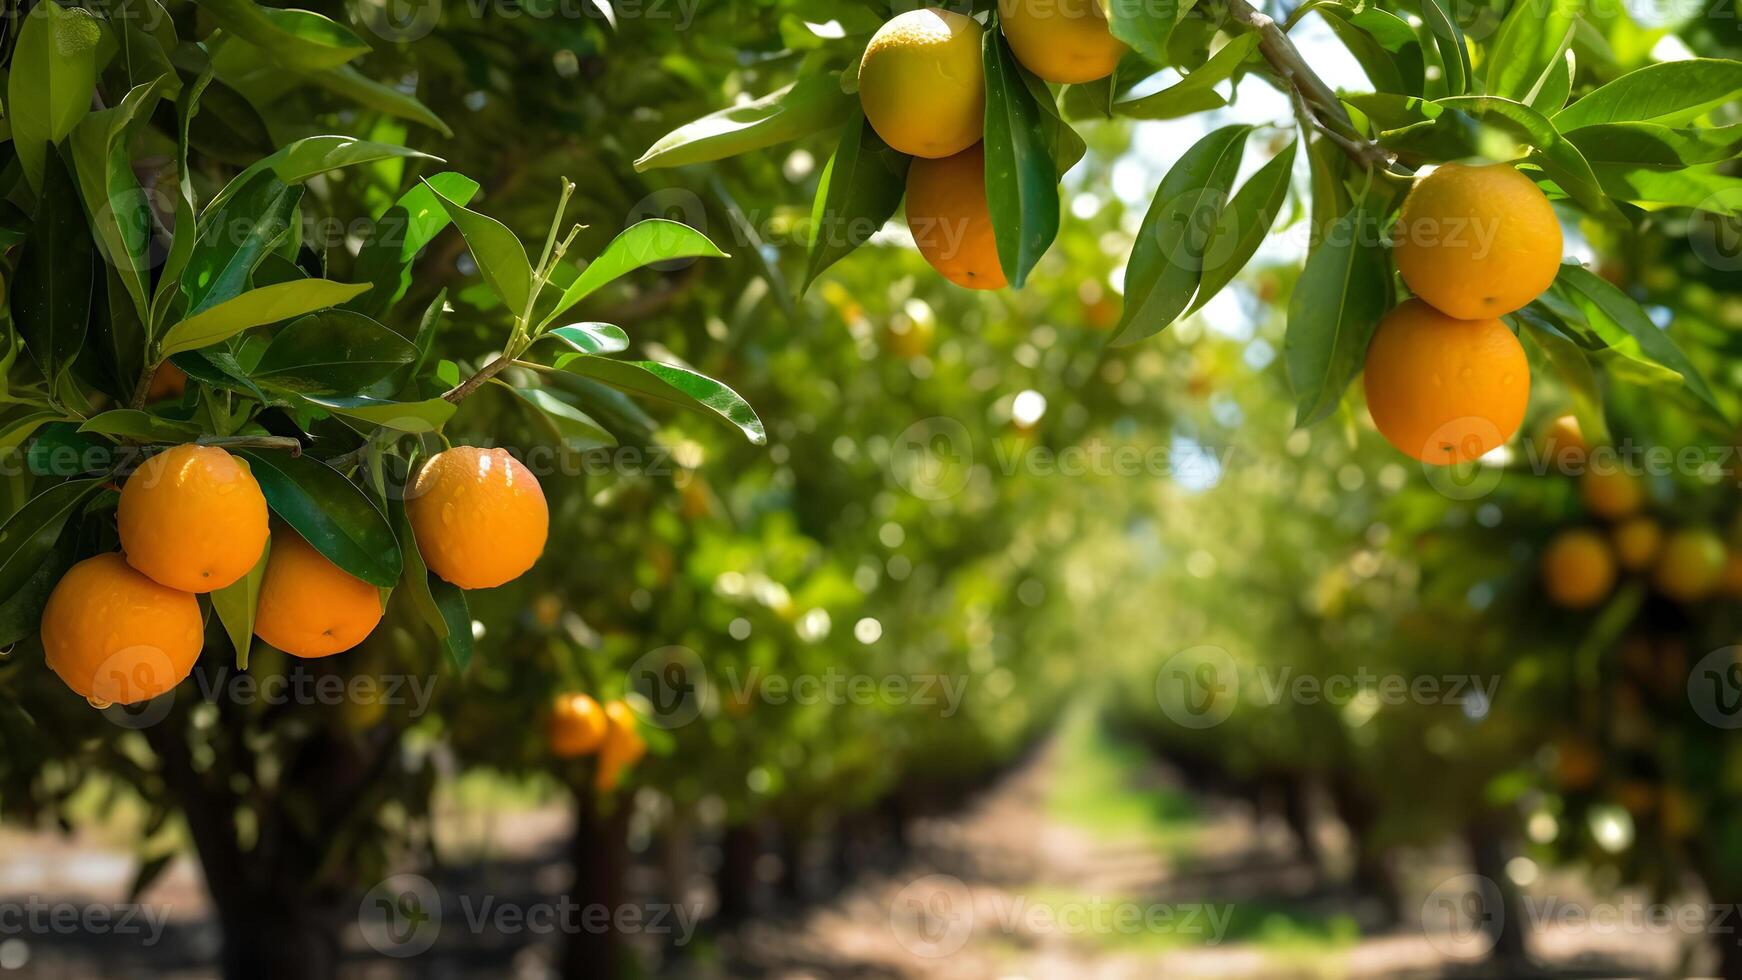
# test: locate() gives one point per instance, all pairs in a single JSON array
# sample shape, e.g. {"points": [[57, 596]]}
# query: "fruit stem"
{"points": [[252, 442], [1317, 102]]}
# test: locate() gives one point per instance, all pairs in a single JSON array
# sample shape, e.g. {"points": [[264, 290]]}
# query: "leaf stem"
{"points": [[252, 442]]}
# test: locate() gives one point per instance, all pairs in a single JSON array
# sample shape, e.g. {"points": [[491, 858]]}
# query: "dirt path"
{"points": [[1009, 889]]}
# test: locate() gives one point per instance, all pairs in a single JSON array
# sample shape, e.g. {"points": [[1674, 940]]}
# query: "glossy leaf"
{"points": [[440, 604], [1336, 306], [313, 156], [1244, 224], [234, 237], [592, 338], [1449, 39], [1386, 46], [428, 415], [1557, 157], [1531, 44], [860, 190], [1618, 319], [113, 198], [1168, 258], [352, 84], [1146, 27], [641, 244], [396, 238], [53, 72], [330, 512], [1196, 91], [299, 38], [1021, 174], [500, 257], [268, 304], [668, 383], [573, 427], [332, 352], [29, 535], [133, 423], [236, 605], [1651, 145], [1668, 93], [53, 283], [809, 105]]}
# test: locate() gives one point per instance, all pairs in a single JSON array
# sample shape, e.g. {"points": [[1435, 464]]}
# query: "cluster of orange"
{"points": [[578, 727], [1446, 381], [125, 627], [923, 87], [1581, 565]]}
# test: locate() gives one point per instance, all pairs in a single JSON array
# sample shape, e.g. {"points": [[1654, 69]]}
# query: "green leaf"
{"points": [[236, 604], [336, 352], [113, 198], [298, 38], [1197, 90], [330, 512], [1669, 93], [21, 610], [1651, 145], [499, 255], [1706, 187], [859, 192], [268, 304], [592, 338], [52, 285], [1144, 26], [1167, 260], [28, 536], [54, 71], [809, 105], [1576, 375], [574, 428], [396, 238], [312, 156], [1558, 158], [234, 236], [1336, 306], [1244, 223], [347, 81], [1532, 43], [668, 383], [1021, 175], [1063, 144], [1386, 46], [428, 415], [440, 604], [133, 423], [1449, 39], [1557, 84], [641, 244], [450, 603], [1618, 319], [187, 105]]}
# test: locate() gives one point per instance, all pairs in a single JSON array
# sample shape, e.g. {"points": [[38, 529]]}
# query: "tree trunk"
{"points": [[1372, 876], [740, 849], [268, 938], [1297, 812], [1507, 925], [600, 854]]}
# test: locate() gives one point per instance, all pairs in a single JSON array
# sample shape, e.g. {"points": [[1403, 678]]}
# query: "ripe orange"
{"points": [[922, 84], [1578, 764], [1443, 390], [1063, 41], [1578, 569], [622, 748], [169, 382], [192, 518], [1611, 492], [1691, 566], [1637, 541], [310, 607], [114, 635], [1562, 444], [479, 516], [577, 726], [1477, 241], [950, 221]]}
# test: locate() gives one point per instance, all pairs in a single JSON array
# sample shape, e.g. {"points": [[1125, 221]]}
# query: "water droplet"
{"points": [[1508, 378], [98, 703], [448, 513]]}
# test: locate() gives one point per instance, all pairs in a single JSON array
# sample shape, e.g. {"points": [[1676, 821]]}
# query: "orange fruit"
{"points": [[577, 726], [1477, 242], [479, 516], [623, 745], [1578, 764], [192, 518], [168, 382], [1691, 566], [1637, 541], [1063, 41], [310, 607], [114, 635], [1578, 569], [1443, 390], [1611, 492], [950, 221], [922, 84], [1562, 443]]}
